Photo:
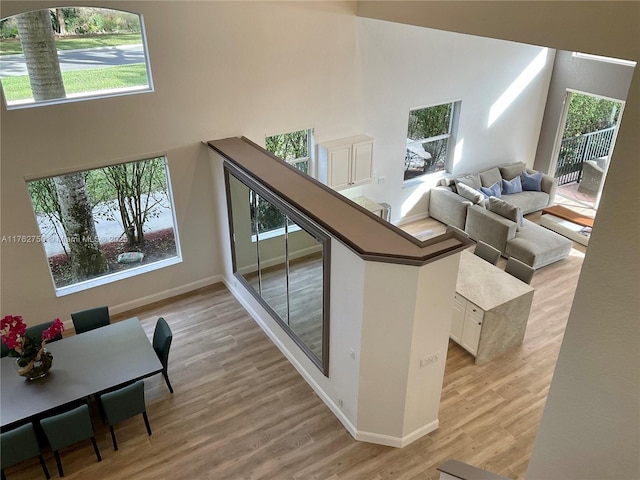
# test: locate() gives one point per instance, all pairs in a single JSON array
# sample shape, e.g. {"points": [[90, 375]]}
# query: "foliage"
{"points": [[289, 146], [82, 81], [429, 122], [267, 216], [425, 124], [589, 114]]}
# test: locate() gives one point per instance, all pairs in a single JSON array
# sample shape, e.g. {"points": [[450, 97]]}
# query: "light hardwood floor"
{"points": [[241, 411]]}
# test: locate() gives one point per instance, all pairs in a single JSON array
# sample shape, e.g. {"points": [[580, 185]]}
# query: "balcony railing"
{"points": [[574, 151]]}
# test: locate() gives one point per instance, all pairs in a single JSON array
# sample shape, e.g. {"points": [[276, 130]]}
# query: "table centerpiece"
{"points": [[33, 360]]}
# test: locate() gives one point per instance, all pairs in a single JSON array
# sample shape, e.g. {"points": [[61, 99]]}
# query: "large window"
{"points": [[430, 135], [294, 148], [101, 225], [70, 53]]}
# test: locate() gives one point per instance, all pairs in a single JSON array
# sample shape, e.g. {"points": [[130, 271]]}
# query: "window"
{"points": [[294, 148], [101, 225], [65, 54], [429, 138]]}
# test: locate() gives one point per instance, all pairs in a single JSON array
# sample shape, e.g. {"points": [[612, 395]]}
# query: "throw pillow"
{"points": [[491, 176], [506, 210], [473, 180], [511, 186], [512, 170], [531, 182], [493, 191], [470, 193]]}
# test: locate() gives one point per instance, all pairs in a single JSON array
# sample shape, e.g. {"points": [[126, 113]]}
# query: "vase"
{"points": [[33, 368]]}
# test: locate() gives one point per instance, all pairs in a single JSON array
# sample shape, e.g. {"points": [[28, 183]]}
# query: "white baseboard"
{"points": [[172, 292], [398, 442], [412, 218]]}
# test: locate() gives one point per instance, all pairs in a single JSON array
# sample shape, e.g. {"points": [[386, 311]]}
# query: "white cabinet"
{"points": [[466, 324], [346, 162]]}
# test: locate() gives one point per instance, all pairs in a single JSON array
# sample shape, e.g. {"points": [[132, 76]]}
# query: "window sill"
{"points": [[114, 277], [430, 179]]}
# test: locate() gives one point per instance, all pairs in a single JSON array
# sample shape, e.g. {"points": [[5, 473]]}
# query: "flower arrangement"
{"points": [[33, 360]]}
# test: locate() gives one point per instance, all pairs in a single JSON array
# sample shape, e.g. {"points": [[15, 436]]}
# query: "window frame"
{"points": [[450, 136], [133, 271], [310, 158], [90, 95]]}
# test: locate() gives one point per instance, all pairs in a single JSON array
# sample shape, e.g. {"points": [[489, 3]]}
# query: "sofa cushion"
{"points": [[512, 170], [531, 182], [528, 201], [470, 193], [536, 246], [494, 190], [511, 186], [490, 177], [472, 179], [506, 210]]}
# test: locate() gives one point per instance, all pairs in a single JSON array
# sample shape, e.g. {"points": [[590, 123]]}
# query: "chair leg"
{"points": [[95, 448], [56, 454], [113, 437], [146, 422], [44, 467], [166, 379]]}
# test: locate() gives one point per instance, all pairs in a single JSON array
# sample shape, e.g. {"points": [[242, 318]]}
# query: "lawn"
{"points": [[82, 81], [11, 45]]}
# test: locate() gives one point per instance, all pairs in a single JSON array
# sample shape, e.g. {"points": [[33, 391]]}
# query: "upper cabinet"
{"points": [[346, 162]]}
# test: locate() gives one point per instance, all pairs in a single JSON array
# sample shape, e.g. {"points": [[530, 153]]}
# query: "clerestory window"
{"points": [[430, 139], [72, 53]]}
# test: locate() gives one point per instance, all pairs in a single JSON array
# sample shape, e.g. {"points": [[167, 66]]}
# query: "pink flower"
{"points": [[55, 329]]}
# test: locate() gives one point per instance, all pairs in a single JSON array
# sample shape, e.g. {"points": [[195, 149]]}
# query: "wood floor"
{"points": [[241, 411]]}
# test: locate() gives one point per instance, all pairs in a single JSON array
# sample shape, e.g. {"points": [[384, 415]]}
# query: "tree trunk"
{"points": [[87, 259], [62, 28], [39, 48]]}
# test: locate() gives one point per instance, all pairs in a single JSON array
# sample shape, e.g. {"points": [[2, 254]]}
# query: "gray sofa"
{"points": [[460, 201]]}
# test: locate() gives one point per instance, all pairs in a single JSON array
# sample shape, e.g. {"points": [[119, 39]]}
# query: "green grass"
{"points": [[11, 45], [18, 88]]}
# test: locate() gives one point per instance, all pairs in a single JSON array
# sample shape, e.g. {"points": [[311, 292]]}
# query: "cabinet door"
{"points": [[472, 327], [361, 163], [457, 320], [340, 167]]}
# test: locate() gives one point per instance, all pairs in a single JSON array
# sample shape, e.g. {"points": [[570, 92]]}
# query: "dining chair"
{"points": [[519, 270], [122, 404], [162, 337], [487, 252], [4, 350], [67, 429], [36, 332], [90, 319], [19, 445]]}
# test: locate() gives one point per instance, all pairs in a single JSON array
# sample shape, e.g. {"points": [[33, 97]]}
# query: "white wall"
{"points": [[404, 67], [220, 69]]}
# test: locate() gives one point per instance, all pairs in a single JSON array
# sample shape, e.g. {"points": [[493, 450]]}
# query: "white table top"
{"points": [[486, 285], [83, 365]]}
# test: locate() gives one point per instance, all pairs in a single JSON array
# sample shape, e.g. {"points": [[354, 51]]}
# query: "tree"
{"points": [[62, 28], [589, 114], [38, 46]]}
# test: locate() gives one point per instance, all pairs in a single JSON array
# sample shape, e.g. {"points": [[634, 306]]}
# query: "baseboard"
{"points": [[292, 359], [398, 442], [172, 292], [412, 218]]}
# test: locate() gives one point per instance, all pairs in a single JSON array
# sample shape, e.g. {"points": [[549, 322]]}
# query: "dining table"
{"points": [[84, 364]]}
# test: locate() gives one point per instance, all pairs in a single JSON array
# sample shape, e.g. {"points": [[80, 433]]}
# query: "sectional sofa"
{"points": [[489, 206]]}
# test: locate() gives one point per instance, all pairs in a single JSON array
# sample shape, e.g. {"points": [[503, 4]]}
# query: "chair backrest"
{"points": [[162, 337], [68, 428], [18, 445], [487, 252], [4, 350], [90, 319], [519, 270], [36, 332], [124, 403]]}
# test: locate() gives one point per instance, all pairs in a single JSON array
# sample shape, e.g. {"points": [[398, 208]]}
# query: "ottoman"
{"points": [[537, 246]]}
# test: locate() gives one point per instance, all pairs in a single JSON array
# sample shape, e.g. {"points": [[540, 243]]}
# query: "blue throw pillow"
{"points": [[511, 186], [492, 191], [531, 182]]}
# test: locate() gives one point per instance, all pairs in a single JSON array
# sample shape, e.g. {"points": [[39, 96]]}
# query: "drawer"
{"points": [[459, 298], [475, 311]]}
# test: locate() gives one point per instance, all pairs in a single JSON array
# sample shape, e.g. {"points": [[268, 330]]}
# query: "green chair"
{"points": [[69, 428], [122, 404], [162, 337], [36, 332], [5, 350], [90, 319], [18, 445]]}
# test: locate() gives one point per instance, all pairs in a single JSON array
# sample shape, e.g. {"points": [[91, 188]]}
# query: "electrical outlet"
{"points": [[352, 354], [428, 360]]}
